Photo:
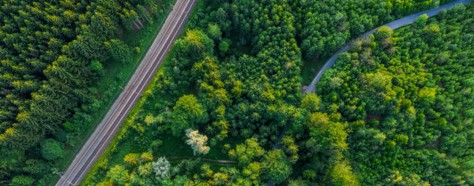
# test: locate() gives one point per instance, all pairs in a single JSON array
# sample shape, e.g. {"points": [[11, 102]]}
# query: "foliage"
{"points": [[342, 175], [324, 26], [247, 152], [186, 114], [311, 102], [22, 180], [118, 174], [52, 149], [161, 167], [197, 142], [132, 159], [276, 166], [52, 54], [412, 101], [387, 105]]}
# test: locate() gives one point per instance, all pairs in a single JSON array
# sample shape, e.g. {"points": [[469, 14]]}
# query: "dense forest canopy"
{"points": [[408, 98], [51, 52], [227, 107], [324, 26]]}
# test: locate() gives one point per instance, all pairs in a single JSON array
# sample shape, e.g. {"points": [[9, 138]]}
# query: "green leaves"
{"points": [[311, 102], [276, 166], [118, 174], [246, 153], [187, 113], [52, 149]]}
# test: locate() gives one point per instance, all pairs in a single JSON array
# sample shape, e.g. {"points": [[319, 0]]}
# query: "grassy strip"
{"points": [[116, 76], [103, 162]]}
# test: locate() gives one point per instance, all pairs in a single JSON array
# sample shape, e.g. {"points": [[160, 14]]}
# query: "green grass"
{"points": [[116, 75], [311, 68]]}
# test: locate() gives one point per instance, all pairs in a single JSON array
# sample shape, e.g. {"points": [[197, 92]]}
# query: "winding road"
{"points": [[105, 131], [394, 25]]}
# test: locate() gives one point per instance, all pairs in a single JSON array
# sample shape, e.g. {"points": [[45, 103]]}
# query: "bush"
{"points": [[52, 149]]}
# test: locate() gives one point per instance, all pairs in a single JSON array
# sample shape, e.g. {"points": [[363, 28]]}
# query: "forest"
{"points": [[52, 53], [407, 98], [227, 107]]}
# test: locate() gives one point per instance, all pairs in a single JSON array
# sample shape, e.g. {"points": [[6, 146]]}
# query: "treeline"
{"points": [[407, 96], [50, 55]]}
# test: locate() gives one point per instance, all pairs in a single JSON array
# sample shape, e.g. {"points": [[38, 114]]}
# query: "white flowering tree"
{"points": [[161, 167], [197, 142]]}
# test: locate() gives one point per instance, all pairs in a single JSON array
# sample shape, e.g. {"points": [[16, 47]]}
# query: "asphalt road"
{"points": [[105, 131], [394, 25]]}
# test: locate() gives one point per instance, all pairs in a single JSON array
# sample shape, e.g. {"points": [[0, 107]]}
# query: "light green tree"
{"points": [[52, 149], [118, 174], [276, 166], [247, 152]]}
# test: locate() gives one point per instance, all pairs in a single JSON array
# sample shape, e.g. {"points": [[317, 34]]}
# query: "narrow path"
{"points": [[105, 131], [394, 25]]}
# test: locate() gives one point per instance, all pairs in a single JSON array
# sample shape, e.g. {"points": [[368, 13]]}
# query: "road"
{"points": [[394, 25], [105, 131]]}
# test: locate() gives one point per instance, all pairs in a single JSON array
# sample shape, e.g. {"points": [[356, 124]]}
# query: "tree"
{"points": [[186, 114], [247, 152], [420, 22], [36, 167], [22, 181], [132, 159], [149, 119], [118, 174], [342, 174], [276, 166], [197, 42], [290, 148], [383, 33], [103, 25], [311, 102], [96, 67], [161, 167], [253, 172], [144, 13], [224, 46], [118, 50], [52, 149], [145, 169], [146, 157], [197, 142], [214, 32], [431, 32]]}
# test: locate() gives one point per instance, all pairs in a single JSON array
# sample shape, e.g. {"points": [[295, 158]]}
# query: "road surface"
{"points": [[394, 25], [106, 130]]}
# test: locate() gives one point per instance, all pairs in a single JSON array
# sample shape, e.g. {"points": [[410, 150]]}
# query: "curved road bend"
{"points": [[105, 131], [394, 25]]}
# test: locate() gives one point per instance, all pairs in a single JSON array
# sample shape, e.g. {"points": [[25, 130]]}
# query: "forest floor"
{"points": [[116, 75]]}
